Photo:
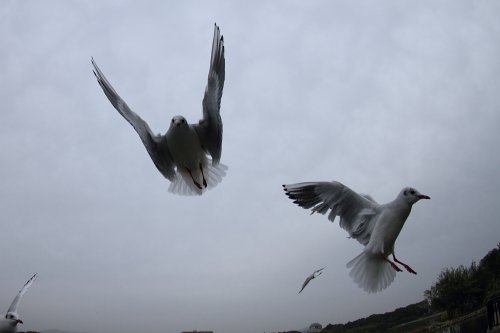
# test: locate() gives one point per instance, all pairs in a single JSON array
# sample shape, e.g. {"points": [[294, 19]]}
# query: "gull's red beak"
{"points": [[19, 321], [423, 196]]}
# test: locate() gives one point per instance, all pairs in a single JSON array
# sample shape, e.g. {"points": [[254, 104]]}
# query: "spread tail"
{"points": [[371, 272], [183, 183]]}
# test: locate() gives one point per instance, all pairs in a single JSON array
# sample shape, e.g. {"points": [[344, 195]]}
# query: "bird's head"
{"points": [[411, 195], [179, 122], [14, 318]]}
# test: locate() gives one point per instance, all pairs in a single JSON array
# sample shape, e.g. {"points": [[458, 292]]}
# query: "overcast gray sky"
{"points": [[377, 95]]}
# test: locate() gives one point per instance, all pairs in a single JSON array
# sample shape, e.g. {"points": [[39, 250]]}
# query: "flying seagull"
{"points": [[315, 274], [8, 323], [181, 154], [374, 225]]}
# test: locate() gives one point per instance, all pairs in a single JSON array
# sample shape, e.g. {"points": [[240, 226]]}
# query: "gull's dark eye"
{"points": [[412, 192], [183, 121], [172, 119]]}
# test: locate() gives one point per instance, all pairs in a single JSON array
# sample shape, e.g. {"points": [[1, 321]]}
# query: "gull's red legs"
{"points": [[408, 268], [396, 268]]}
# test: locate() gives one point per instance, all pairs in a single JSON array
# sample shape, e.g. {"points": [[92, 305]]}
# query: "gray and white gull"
{"points": [[376, 226], [181, 154], [9, 321], [313, 275]]}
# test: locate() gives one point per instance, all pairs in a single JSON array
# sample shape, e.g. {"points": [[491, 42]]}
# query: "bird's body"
{"points": [[9, 321], [186, 151], [181, 154], [374, 225], [387, 227], [185, 147]]}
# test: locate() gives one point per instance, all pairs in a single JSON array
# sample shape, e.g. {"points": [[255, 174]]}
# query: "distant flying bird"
{"points": [[374, 225], [181, 154], [315, 274], [8, 323]]}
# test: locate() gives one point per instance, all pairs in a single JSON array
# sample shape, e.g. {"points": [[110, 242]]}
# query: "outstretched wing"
{"points": [[306, 282], [209, 128], [357, 213], [319, 270], [155, 145], [315, 274], [17, 299]]}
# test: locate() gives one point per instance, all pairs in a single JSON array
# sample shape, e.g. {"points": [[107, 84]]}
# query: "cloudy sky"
{"points": [[377, 95]]}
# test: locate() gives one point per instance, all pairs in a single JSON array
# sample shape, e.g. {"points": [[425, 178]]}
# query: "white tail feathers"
{"points": [[184, 185], [371, 272]]}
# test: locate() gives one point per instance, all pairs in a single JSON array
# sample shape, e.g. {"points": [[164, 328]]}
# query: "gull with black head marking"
{"points": [[376, 226], [181, 154]]}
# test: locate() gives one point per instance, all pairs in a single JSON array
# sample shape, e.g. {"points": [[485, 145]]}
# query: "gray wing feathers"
{"points": [[306, 282], [17, 299], [355, 211], [312, 276], [209, 128], [362, 229], [158, 152], [369, 197], [319, 270]]}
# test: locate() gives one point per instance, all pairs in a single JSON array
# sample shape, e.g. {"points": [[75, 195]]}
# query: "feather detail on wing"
{"points": [[209, 128], [357, 213], [156, 147], [24, 289], [306, 282]]}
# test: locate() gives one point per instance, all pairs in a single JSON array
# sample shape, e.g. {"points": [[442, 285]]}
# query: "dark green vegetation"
{"points": [[382, 322], [456, 292], [464, 289]]}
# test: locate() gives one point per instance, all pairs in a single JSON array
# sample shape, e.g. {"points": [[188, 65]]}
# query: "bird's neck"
{"points": [[400, 206]]}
